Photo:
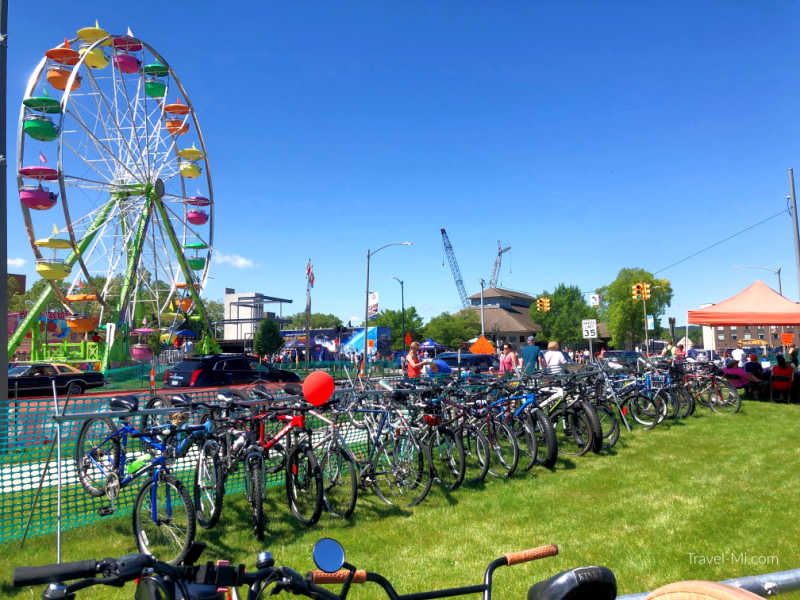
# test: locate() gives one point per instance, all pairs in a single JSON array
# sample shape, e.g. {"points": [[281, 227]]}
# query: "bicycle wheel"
{"points": [[547, 451], [645, 410], [163, 519], [609, 425], [254, 490], [447, 455], [573, 432], [523, 429], [304, 485], [340, 482], [156, 401], [724, 398], [95, 455], [209, 485], [476, 454], [504, 447], [401, 470], [686, 401], [595, 428]]}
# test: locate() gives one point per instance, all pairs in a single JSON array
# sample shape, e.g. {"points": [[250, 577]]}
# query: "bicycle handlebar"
{"points": [[515, 558], [53, 573], [359, 576]]}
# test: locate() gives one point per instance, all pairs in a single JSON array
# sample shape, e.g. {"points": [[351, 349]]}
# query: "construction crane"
{"points": [[451, 258], [497, 261]]}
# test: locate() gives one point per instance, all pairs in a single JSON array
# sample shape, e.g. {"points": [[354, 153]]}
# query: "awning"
{"points": [[758, 304]]}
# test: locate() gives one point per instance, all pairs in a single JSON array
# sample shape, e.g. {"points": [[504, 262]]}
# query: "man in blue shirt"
{"points": [[531, 356]]}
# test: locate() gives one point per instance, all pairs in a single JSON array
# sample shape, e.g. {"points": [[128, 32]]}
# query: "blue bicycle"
{"points": [[163, 512]]}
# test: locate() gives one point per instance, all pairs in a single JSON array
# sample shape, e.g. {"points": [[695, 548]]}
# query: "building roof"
{"points": [[502, 293], [507, 320]]}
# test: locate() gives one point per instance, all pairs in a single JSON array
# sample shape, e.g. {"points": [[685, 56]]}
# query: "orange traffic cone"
{"points": [[362, 367], [152, 376]]}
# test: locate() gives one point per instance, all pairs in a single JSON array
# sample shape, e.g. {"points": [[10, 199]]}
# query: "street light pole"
{"points": [[483, 282], [366, 301], [776, 271], [402, 309]]}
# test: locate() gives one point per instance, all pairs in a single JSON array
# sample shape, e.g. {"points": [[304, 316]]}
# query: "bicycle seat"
{"points": [[594, 583], [293, 389], [127, 403], [180, 400]]}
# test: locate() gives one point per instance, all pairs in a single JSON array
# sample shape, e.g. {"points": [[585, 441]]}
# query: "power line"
{"points": [[730, 237]]}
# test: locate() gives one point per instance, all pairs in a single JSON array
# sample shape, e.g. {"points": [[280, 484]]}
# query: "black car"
{"points": [[470, 361], [626, 358], [221, 369], [36, 379]]}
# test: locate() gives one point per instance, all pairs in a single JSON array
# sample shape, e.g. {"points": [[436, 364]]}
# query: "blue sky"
{"points": [[588, 136]]}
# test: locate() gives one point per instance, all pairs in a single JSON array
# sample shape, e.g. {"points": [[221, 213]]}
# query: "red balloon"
{"points": [[318, 387]]}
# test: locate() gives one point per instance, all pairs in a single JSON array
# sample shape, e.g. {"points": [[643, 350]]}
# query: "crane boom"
{"points": [[451, 258], [497, 261]]}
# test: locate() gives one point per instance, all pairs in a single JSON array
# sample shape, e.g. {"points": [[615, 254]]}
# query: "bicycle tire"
{"points": [[522, 425], [254, 490], [596, 429], [107, 453], [644, 410], [504, 446], [447, 457], [686, 402], [155, 401], [401, 470], [340, 482], [168, 537], [609, 425], [209, 485], [477, 457], [547, 451], [304, 485], [724, 398], [573, 432]]}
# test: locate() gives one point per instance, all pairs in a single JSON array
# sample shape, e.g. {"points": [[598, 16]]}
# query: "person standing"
{"points": [[738, 353], [531, 356], [793, 356], [554, 358], [414, 363], [508, 361]]}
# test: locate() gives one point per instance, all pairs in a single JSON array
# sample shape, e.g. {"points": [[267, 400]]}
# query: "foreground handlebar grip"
{"points": [[522, 556], [54, 573], [360, 576]]}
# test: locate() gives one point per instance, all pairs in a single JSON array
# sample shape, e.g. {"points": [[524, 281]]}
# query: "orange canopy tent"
{"points": [[757, 304]]}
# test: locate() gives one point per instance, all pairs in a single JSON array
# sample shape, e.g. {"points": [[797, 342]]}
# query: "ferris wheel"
{"points": [[115, 189]]}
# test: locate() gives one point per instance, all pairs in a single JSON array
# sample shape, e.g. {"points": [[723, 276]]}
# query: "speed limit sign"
{"points": [[589, 329]]}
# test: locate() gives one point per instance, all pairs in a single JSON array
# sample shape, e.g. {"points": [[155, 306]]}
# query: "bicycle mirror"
{"points": [[328, 555]]}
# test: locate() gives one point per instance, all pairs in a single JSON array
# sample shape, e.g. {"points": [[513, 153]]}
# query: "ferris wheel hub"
{"points": [[158, 188]]}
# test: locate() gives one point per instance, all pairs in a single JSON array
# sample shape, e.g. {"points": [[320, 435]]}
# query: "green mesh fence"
{"points": [[28, 460]]}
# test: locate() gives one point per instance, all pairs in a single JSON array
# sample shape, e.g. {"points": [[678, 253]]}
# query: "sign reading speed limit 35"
{"points": [[589, 329]]}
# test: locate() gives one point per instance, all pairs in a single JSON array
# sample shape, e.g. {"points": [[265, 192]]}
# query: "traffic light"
{"points": [[636, 291], [546, 304], [540, 305], [646, 291]]}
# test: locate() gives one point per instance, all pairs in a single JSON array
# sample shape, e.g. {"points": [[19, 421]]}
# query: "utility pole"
{"points": [[482, 322], [402, 309], [795, 227], [3, 222]]}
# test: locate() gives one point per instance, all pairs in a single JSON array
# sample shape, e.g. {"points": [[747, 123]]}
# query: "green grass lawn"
{"points": [[652, 510]]}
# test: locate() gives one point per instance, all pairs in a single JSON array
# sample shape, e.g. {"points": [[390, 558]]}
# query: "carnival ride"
{"points": [[132, 244]]}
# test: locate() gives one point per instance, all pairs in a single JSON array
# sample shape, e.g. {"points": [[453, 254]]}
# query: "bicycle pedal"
{"points": [[105, 511]]}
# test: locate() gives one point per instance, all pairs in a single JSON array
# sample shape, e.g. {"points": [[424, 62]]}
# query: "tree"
{"points": [[451, 330], [318, 321], [394, 319], [214, 309], [16, 300], [562, 322], [623, 314], [267, 339]]}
